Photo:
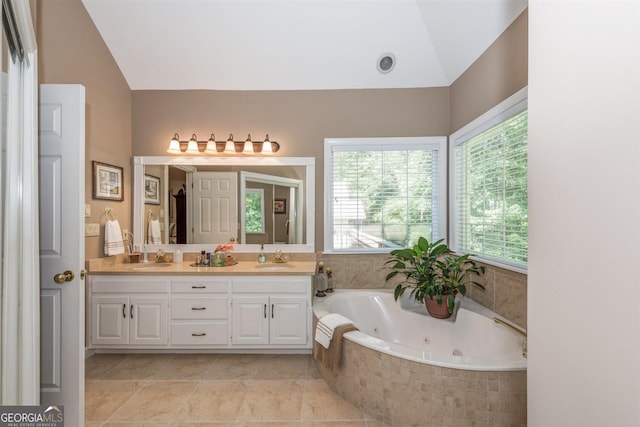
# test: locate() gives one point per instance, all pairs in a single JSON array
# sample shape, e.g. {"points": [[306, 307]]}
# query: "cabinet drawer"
{"points": [[127, 284], [208, 333], [198, 307], [200, 286], [272, 284]]}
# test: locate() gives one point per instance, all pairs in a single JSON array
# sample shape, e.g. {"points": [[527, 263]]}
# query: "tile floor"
{"points": [[207, 390]]}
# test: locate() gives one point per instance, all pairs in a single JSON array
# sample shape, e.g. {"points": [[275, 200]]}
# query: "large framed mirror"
{"points": [[196, 203]]}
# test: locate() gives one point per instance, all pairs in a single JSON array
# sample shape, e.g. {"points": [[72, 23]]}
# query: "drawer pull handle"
{"points": [[131, 311], [124, 311], [198, 308], [200, 334], [198, 287], [272, 311], [265, 311]]}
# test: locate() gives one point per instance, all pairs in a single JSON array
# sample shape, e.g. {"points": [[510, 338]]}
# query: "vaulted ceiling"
{"points": [[297, 44]]}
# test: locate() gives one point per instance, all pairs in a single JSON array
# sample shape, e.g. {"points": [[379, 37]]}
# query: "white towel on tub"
{"points": [[113, 244], [154, 232], [326, 325]]}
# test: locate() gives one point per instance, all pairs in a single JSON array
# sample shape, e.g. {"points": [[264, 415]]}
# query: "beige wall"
{"points": [[121, 123], [72, 51], [497, 74], [500, 71], [299, 120]]}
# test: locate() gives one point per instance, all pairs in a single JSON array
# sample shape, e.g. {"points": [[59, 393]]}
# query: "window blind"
{"points": [[383, 196], [491, 193]]}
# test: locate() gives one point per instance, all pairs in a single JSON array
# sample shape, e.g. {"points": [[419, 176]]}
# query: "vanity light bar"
{"points": [[193, 146]]}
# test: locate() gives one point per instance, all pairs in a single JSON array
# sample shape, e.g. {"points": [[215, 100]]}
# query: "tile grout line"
{"points": [[121, 405], [185, 402], [244, 400]]}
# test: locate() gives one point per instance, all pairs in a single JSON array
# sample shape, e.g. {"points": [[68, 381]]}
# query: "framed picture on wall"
{"points": [[280, 206], [151, 190], [107, 182]]}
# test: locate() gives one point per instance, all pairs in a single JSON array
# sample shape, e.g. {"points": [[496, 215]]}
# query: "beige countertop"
{"points": [[306, 268]]}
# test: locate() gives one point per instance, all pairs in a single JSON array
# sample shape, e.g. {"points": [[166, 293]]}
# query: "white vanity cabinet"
{"points": [[199, 311], [128, 311], [203, 312], [271, 311]]}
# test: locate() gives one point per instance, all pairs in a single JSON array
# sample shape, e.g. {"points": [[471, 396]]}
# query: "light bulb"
{"points": [[192, 148], [211, 145], [174, 145], [266, 146], [230, 147], [248, 145]]}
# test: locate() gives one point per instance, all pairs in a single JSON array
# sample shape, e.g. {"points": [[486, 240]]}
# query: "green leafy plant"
{"points": [[431, 269]]}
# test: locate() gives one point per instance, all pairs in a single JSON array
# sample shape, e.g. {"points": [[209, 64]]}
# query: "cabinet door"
{"points": [[148, 322], [250, 320], [288, 320], [110, 320]]}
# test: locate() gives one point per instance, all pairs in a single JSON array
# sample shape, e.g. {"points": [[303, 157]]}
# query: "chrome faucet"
{"points": [[518, 330]]}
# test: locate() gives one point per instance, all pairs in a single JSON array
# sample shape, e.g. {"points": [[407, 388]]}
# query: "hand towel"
{"points": [[326, 327], [330, 357], [113, 244], [154, 232]]}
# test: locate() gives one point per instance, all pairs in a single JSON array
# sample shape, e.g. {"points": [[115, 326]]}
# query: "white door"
{"points": [[250, 321], [215, 207], [292, 226], [62, 249], [109, 323], [148, 320], [288, 320]]}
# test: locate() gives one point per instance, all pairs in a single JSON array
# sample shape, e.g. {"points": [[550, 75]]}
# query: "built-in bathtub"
{"points": [[409, 369]]}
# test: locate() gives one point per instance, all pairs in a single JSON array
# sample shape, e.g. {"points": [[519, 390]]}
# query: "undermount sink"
{"points": [[151, 266], [274, 267]]}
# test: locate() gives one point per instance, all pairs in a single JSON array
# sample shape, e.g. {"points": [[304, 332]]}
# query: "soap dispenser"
{"points": [[262, 258]]}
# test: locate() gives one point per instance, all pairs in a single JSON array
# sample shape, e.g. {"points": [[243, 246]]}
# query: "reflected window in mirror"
{"points": [[254, 210]]}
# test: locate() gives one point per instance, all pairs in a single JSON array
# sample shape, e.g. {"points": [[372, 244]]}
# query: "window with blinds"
{"points": [[383, 193], [489, 189]]}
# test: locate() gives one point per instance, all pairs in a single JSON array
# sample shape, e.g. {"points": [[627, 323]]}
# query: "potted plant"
{"points": [[434, 274]]}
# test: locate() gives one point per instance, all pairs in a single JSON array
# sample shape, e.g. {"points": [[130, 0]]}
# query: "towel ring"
{"points": [[152, 215], [109, 211]]}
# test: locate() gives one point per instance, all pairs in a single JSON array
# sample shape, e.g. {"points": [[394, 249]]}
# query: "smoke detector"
{"points": [[386, 62]]}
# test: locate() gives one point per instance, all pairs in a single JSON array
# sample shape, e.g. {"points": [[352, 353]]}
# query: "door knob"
{"points": [[60, 278]]}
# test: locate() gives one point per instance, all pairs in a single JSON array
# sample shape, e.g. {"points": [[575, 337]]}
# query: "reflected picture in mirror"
{"points": [[151, 190]]}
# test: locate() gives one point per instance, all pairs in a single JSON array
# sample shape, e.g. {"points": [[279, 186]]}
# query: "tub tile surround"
{"points": [[366, 272], [405, 393]]}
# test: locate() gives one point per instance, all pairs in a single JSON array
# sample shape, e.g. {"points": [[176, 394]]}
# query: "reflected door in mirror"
{"points": [[181, 218]]}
